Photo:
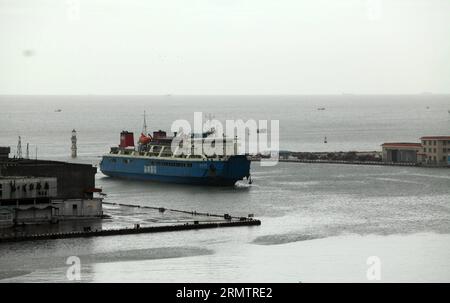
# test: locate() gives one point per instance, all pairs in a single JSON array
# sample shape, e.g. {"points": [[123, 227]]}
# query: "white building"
{"points": [[436, 149], [77, 208]]}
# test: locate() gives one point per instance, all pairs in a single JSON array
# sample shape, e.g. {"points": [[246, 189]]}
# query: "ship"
{"points": [[152, 159]]}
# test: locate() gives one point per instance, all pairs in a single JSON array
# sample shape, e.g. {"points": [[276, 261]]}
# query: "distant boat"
{"points": [[321, 108], [58, 110]]}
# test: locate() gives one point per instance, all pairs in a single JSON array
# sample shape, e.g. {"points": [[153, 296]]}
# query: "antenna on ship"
{"points": [[209, 118], [144, 127], [28, 151]]}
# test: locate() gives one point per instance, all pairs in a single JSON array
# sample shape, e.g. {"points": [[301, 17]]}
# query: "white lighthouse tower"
{"points": [[74, 144]]}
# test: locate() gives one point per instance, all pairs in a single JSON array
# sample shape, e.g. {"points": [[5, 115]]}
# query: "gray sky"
{"points": [[224, 46]]}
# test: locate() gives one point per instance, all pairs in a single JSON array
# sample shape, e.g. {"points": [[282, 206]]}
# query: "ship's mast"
{"points": [[144, 127]]}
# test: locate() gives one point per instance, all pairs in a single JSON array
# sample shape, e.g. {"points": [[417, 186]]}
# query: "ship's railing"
{"points": [[162, 151]]}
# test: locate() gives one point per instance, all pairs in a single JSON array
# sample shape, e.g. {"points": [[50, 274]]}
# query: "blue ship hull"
{"points": [[177, 170]]}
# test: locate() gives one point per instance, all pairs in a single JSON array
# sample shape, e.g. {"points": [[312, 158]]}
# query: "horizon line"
{"points": [[172, 94]]}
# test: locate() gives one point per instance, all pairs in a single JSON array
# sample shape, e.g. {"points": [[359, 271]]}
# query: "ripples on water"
{"points": [[298, 203]]}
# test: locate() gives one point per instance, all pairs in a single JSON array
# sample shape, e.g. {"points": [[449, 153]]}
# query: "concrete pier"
{"points": [[126, 219], [130, 231], [348, 162]]}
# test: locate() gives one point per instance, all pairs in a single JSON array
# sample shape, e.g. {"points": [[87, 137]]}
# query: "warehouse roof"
{"points": [[435, 138], [24, 162], [401, 144]]}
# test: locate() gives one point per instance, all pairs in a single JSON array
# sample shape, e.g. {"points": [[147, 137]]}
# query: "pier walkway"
{"points": [[127, 219]]}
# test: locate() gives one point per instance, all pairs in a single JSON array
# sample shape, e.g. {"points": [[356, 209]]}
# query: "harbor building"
{"points": [[436, 149], [402, 152], [4, 153], [28, 198], [77, 208], [35, 191], [75, 181]]}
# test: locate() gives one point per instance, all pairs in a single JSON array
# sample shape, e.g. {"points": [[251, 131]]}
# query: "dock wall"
{"points": [[351, 162], [348, 162], [131, 231]]}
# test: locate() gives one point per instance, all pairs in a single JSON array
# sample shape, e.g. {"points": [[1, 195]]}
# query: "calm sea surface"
{"points": [[320, 221]]}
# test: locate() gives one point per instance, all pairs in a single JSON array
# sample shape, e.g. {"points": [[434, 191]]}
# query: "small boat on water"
{"points": [[58, 110]]}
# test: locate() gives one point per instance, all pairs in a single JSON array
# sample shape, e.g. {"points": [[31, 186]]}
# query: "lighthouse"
{"points": [[74, 144]]}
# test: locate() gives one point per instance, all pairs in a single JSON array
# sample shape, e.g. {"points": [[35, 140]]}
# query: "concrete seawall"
{"points": [[380, 163], [347, 162], [130, 231]]}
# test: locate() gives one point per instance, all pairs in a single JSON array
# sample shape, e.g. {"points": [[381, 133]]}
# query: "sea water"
{"points": [[320, 222]]}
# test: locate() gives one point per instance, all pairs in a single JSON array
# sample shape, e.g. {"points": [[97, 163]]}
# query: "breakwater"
{"points": [[347, 162], [195, 220], [131, 231], [350, 157]]}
